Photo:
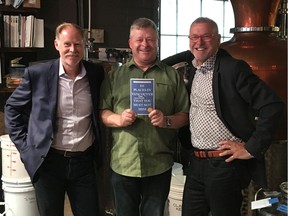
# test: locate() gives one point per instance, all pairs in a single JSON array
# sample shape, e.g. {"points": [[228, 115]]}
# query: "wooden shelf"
{"points": [[6, 90], [28, 54], [11, 9], [18, 50]]}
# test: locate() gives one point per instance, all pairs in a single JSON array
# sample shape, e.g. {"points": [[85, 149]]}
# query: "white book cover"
{"points": [[38, 39], [29, 23], [14, 31], [6, 19], [22, 33]]}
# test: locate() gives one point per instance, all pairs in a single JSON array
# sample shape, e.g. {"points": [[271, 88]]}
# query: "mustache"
{"points": [[72, 54]]}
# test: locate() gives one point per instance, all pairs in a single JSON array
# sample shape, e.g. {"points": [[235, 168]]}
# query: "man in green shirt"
{"points": [[143, 145]]}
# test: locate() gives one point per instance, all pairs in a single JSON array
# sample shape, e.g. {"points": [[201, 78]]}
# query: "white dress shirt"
{"points": [[74, 113]]}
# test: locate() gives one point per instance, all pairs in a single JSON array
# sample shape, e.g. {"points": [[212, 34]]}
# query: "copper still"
{"points": [[256, 40]]}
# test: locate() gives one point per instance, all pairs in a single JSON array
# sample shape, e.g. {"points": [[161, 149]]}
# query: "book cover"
{"points": [[142, 95], [38, 34], [29, 29], [7, 27], [14, 31]]}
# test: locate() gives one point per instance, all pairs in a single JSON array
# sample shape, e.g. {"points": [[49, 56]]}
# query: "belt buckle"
{"points": [[66, 154]]}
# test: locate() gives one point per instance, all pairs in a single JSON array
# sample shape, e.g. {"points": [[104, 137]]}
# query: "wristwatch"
{"points": [[168, 122]]}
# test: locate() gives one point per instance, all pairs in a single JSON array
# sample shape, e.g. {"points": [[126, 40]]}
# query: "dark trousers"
{"points": [[141, 196], [76, 176], [212, 185]]}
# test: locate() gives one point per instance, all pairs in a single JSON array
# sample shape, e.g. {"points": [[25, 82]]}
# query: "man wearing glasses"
{"points": [[233, 116]]}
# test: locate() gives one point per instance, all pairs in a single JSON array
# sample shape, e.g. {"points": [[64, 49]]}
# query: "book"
{"points": [[22, 31], [29, 24], [14, 31], [142, 95], [38, 34], [7, 26]]}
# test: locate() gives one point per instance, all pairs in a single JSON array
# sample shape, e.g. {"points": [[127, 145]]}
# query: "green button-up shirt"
{"points": [[142, 149]]}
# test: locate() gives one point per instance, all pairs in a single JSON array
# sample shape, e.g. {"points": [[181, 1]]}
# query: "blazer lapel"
{"points": [[53, 75], [215, 88]]}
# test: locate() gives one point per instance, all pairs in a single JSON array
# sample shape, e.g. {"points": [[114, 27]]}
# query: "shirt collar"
{"points": [[208, 65], [156, 64], [80, 75]]}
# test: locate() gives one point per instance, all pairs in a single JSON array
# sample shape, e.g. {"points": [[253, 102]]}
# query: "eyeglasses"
{"points": [[206, 37]]}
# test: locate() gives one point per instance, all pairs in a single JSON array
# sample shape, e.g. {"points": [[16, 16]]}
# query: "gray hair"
{"points": [[143, 23], [64, 25], [206, 20]]}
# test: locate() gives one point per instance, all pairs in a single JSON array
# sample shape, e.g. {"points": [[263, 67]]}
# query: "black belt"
{"points": [[71, 154]]}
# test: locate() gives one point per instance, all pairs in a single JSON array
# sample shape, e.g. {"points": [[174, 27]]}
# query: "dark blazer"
{"points": [[30, 112], [240, 97]]}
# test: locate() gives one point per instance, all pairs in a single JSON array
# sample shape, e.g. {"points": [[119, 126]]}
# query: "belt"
{"points": [[70, 154], [207, 153]]}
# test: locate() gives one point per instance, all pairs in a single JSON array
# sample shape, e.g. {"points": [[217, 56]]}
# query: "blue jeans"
{"points": [[212, 185], [141, 196], [76, 176]]}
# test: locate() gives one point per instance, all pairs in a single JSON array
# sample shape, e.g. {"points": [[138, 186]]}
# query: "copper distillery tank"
{"points": [[256, 41]]}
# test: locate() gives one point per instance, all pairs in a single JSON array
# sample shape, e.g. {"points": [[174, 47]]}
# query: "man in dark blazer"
{"points": [[52, 118], [233, 116]]}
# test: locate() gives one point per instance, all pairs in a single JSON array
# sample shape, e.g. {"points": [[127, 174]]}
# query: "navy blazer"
{"points": [[30, 112], [240, 98]]}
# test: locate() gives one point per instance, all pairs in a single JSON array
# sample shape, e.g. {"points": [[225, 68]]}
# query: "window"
{"points": [[177, 15]]}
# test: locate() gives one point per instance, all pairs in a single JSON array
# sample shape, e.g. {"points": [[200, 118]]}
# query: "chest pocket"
{"points": [[165, 93]]}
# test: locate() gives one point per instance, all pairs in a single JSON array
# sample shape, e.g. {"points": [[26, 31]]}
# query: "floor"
{"points": [[67, 209]]}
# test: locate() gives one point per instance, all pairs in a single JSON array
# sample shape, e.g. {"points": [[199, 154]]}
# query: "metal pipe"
{"points": [[283, 25]]}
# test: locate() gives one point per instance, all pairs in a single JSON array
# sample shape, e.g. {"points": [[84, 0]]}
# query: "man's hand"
{"points": [[128, 116], [111, 119], [235, 150], [157, 118]]}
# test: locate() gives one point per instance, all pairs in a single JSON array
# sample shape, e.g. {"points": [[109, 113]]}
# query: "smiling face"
{"points": [[69, 44], [144, 46], [204, 41]]}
